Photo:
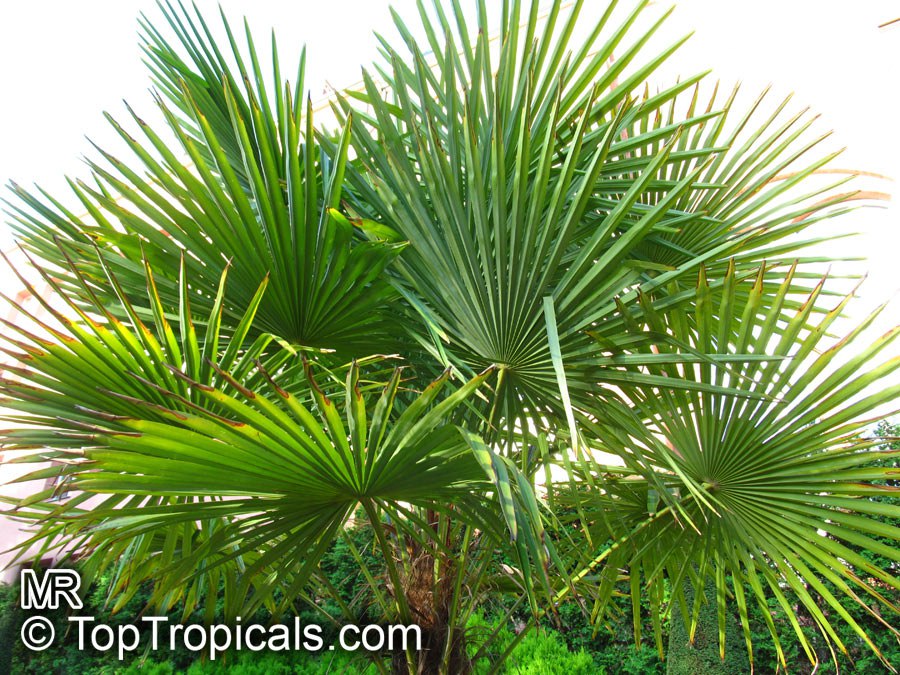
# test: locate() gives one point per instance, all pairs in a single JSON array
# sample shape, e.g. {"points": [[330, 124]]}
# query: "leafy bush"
{"points": [[545, 653], [542, 652]]}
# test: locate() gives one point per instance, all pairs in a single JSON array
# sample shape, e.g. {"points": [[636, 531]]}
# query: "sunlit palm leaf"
{"points": [[203, 475], [765, 189]]}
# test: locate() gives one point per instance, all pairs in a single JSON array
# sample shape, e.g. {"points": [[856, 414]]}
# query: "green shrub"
{"points": [[542, 652], [545, 653], [148, 668], [8, 626]]}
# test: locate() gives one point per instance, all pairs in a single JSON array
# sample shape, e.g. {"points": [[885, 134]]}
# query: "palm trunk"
{"points": [[426, 584]]}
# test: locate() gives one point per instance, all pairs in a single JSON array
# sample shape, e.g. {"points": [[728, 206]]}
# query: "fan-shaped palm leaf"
{"points": [[258, 195], [203, 468], [774, 486], [518, 173]]}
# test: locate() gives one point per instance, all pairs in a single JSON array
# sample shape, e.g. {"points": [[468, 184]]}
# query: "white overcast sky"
{"points": [[62, 63]]}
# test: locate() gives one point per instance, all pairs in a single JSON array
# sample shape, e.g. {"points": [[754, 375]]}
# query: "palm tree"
{"points": [[509, 258]]}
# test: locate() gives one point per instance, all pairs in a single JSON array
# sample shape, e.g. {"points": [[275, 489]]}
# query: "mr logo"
{"points": [[47, 592]]}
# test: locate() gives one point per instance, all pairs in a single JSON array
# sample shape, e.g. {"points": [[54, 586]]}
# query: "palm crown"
{"points": [[559, 263]]}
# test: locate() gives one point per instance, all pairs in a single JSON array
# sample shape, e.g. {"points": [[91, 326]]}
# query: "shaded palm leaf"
{"points": [[517, 174], [772, 489], [244, 185]]}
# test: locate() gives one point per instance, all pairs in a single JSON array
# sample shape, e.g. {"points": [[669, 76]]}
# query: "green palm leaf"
{"points": [[258, 195], [213, 468], [777, 488], [517, 174]]}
